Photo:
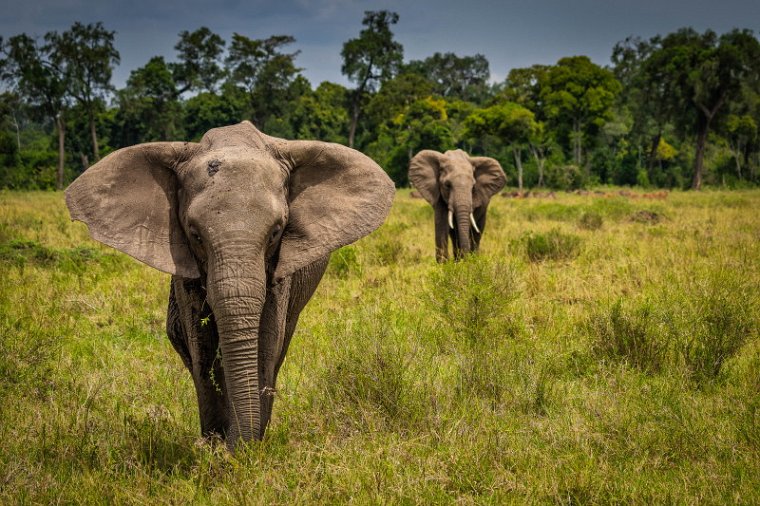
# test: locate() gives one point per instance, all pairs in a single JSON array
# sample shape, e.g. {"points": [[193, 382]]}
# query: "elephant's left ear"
{"points": [[336, 195], [489, 179]]}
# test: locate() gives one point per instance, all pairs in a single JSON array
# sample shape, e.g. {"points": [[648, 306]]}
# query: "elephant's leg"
{"points": [[455, 244], [192, 332], [285, 302], [441, 231], [480, 220]]}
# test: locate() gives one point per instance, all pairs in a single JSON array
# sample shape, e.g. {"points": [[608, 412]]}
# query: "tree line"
{"points": [[678, 110]]}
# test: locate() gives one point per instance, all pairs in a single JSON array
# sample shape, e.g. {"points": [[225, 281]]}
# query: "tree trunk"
{"points": [[540, 160], [653, 151], [85, 161], [354, 121], [577, 142], [518, 161], [61, 127], [737, 151], [94, 136], [18, 132], [703, 126]]}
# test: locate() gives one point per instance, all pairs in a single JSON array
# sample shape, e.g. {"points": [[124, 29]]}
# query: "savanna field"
{"points": [[598, 350]]}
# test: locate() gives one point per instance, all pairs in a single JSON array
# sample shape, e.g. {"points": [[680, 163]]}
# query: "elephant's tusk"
{"points": [[451, 219], [474, 225]]}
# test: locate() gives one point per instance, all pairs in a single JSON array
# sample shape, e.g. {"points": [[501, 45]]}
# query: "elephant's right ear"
{"points": [[129, 201], [423, 173]]}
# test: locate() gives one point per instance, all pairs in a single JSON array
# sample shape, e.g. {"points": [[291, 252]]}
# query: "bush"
{"points": [[471, 297], [590, 221], [554, 245], [629, 334], [717, 323], [369, 376]]}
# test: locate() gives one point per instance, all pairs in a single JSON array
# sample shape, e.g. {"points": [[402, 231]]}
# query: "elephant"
{"points": [[457, 186], [245, 224]]}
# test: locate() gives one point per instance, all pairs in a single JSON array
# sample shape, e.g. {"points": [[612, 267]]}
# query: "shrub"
{"points": [[471, 297], [369, 376], [629, 334], [590, 221], [554, 245], [717, 323]]}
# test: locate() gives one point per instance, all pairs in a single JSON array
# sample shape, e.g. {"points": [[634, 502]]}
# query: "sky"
{"points": [[509, 33]]}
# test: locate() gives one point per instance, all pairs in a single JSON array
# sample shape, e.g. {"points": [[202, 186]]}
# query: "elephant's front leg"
{"points": [[480, 220], [441, 219], [285, 302], [192, 331]]}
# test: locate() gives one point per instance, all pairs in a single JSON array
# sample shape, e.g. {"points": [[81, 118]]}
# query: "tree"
{"points": [[395, 96], [647, 93], [707, 73], [453, 76], [199, 67], [208, 110], [266, 73], [148, 105], [86, 55], [578, 96], [321, 114], [512, 123], [741, 134], [371, 59], [29, 68]]}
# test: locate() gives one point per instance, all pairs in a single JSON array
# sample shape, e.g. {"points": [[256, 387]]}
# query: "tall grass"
{"points": [[622, 368]]}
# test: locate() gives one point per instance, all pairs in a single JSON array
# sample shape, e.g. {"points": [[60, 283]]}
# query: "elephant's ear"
{"points": [[336, 196], [489, 179], [423, 173], [129, 201]]}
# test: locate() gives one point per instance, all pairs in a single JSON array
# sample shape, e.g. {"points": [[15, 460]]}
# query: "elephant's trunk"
{"points": [[462, 213], [237, 294]]}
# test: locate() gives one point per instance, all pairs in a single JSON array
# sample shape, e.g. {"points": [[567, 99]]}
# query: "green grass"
{"points": [[616, 359]]}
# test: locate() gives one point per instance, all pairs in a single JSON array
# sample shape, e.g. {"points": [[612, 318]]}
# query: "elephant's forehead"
{"points": [[455, 163], [236, 167]]}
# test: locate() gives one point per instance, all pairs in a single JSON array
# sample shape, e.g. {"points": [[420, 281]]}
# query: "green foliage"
{"points": [[452, 76], [370, 373], [554, 245], [566, 126], [373, 57], [268, 75], [590, 220], [631, 335], [471, 298], [344, 263]]}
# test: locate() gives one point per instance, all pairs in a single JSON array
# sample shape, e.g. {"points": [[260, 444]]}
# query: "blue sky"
{"points": [[509, 33]]}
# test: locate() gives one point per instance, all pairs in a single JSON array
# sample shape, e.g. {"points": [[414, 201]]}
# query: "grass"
{"points": [[621, 367]]}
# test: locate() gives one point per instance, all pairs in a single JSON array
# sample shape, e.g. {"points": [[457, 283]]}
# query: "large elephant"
{"points": [[245, 223], [459, 187]]}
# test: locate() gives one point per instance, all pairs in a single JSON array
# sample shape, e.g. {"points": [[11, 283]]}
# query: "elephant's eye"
{"points": [[275, 232], [196, 237]]}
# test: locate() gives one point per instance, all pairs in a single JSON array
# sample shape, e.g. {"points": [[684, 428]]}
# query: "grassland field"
{"points": [[596, 351]]}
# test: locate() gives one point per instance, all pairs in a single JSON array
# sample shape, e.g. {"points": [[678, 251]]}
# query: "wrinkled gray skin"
{"points": [[459, 187], [245, 223]]}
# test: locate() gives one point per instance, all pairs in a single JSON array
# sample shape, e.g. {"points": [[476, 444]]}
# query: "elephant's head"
{"points": [[240, 210], [461, 183]]}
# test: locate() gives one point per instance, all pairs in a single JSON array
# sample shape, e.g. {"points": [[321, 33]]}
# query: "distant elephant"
{"points": [[245, 223], [459, 187]]}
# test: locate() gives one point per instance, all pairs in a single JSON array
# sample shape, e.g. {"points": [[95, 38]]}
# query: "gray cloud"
{"points": [[509, 33]]}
